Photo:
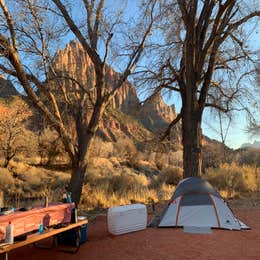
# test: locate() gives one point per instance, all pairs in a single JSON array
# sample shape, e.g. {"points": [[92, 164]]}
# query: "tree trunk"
{"points": [[76, 181], [191, 140], [79, 168], [80, 161]]}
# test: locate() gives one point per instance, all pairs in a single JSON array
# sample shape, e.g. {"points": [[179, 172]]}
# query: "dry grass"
{"points": [[233, 180], [123, 186], [110, 182], [120, 187], [171, 175], [6, 179], [26, 181]]}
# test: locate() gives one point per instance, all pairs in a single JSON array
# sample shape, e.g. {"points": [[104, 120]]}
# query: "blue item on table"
{"points": [[70, 237], [41, 228]]}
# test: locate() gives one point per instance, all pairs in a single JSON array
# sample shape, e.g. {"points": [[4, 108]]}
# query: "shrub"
{"points": [[161, 160], [6, 179], [94, 174], [148, 168], [212, 156], [170, 175], [127, 181], [233, 178], [249, 156], [34, 181], [120, 188], [175, 158], [124, 148], [50, 146], [18, 167], [165, 192], [59, 181], [115, 162], [101, 148], [100, 163]]}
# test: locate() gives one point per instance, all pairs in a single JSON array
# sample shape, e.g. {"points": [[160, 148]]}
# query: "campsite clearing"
{"points": [[160, 243]]}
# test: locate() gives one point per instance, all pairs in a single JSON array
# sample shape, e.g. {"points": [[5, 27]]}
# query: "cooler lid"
{"points": [[127, 208]]}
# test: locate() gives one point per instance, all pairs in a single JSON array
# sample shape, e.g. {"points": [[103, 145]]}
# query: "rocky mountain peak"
{"points": [[156, 114], [129, 117], [7, 89], [75, 62]]}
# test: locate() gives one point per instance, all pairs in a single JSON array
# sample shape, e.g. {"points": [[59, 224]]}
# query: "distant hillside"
{"points": [[255, 144]]}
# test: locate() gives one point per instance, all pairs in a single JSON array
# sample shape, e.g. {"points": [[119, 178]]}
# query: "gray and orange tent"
{"points": [[195, 203]]}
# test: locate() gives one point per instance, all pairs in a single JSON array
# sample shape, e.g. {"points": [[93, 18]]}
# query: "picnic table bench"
{"points": [[36, 237]]}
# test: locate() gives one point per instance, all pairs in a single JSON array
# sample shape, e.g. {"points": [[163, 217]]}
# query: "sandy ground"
{"points": [[156, 243]]}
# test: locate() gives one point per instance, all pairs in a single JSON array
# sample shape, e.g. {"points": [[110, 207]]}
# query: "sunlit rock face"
{"points": [[156, 114], [75, 62], [141, 120]]}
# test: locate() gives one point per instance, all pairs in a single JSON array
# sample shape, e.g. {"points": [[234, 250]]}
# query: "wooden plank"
{"points": [[38, 237]]}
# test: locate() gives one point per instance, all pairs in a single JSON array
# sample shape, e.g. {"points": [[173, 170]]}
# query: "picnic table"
{"points": [[35, 237], [30, 220]]}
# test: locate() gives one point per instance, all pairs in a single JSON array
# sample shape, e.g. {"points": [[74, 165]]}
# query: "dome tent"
{"points": [[195, 203]]}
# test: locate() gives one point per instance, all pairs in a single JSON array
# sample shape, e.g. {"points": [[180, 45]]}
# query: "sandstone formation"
{"points": [[74, 61], [126, 116], [154, 114]]}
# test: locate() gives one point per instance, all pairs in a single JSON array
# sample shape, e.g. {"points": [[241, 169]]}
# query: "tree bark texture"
{"points": [[191, 139], [85, 136]]}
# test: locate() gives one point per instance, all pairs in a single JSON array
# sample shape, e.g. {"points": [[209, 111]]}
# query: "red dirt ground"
{"points": [[156, 243]]}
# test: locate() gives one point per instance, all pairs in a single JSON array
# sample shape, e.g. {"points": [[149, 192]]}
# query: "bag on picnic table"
{"points": [[73, 237]]}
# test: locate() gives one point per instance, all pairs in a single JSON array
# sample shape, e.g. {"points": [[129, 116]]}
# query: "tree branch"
{"points": [[174, 122], [134, 58], [220, 108], [97, 21], [92, 53], [234, 26], [9, 23]]}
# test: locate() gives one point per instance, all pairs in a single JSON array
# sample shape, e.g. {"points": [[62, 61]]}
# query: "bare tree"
{"points": [[14, 137], [253, 127], [204, 59], [31, 31], [254, 124]]}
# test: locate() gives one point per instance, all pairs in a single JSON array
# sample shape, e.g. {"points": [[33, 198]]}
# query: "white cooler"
{"points": [[128, 218]]}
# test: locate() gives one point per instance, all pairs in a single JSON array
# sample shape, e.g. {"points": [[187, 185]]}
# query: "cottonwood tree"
{"points": [[204, 58], [14, 137], [29, 30]]}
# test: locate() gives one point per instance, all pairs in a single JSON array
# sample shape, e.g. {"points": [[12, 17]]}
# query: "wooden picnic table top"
{"points": [[35, 237]]}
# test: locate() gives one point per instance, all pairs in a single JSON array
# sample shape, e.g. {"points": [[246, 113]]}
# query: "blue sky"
{"points": [[236, 135], [237, 132]]}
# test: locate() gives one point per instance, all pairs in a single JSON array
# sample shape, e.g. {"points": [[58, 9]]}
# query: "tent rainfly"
{"points": [[195, 203]]}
